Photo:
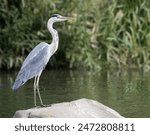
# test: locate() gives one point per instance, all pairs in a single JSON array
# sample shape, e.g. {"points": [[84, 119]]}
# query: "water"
{"points": [[127, 92]]}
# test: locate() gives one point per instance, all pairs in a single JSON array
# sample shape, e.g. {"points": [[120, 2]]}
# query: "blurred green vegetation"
{"points": [[110, 33]]}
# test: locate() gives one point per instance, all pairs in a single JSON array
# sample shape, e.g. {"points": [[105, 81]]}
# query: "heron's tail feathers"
{"points": [[20, 80], [17, 84]]}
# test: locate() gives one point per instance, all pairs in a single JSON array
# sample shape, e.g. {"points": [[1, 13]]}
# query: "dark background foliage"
{"points": [[110, 33]]}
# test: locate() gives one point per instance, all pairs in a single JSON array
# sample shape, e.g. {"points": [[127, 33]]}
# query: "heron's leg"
{"points": [[35, 79], [38, 91]]}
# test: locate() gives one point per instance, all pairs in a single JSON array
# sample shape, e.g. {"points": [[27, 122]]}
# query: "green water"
{"points": [[127, 92]]}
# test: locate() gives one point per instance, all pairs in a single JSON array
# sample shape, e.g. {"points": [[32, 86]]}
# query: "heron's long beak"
{"points": [[63, 18]]}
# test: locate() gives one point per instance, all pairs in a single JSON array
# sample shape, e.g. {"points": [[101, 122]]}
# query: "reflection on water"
{"points": [[128, 92]]}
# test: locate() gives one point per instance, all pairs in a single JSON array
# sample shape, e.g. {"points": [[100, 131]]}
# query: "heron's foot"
{"points": [[43, 105], [36, 106]]}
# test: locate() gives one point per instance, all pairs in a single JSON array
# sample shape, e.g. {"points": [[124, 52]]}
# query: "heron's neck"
{"points": [[54, 34]]}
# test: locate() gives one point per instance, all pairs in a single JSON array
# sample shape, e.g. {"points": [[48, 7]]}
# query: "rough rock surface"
{"points": [[82, 108]]}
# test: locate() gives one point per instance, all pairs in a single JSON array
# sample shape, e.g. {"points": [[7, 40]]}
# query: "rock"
{"points": [[82, 108]]}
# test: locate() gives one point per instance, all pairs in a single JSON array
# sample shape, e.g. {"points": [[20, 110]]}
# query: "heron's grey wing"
{"points": [[33, 64], [36, 50]]}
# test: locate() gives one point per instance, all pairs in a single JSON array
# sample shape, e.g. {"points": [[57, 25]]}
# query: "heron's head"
{"points": [[58, 18]]}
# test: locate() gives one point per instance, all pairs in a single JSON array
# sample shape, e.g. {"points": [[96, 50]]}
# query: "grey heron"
{"points": [[38, 58]]}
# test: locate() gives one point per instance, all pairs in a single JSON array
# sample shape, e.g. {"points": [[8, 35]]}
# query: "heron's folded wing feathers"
{"points": [[33, 64]]}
